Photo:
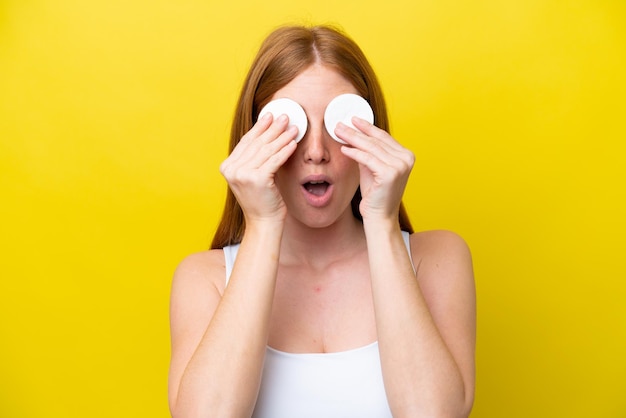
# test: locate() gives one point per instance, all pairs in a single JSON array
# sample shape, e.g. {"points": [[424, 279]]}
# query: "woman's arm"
{"points": [[425, 325], [425, 319], [219, 341]]}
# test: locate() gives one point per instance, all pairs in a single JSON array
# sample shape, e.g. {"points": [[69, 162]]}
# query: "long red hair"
{"points": [[284, 54]]}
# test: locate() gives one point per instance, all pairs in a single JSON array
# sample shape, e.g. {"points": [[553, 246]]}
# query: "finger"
{"points": [[381, 164], [262, 166], [258, 128], [265, 132], [374, 146], [248, 139], [366, 159], [269, 151], [278, 158], [276, 128], [256, 156], [375, 132]]}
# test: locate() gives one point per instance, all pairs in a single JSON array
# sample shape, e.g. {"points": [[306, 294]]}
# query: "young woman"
{"points": [[316, 299]]}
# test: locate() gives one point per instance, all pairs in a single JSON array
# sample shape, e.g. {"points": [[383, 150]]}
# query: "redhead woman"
{"points": [[317, 299]]}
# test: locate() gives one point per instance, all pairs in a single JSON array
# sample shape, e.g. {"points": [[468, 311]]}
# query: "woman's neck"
{"points": [[320, 247]]}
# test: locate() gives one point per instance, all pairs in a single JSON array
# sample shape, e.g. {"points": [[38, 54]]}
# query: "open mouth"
{"points": [[317, 188]]}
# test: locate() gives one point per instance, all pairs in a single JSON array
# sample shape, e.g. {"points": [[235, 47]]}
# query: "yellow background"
{"points": [[114, 118]]}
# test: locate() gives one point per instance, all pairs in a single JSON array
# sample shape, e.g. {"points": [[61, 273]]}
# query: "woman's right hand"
{"points": [[251, 168]]}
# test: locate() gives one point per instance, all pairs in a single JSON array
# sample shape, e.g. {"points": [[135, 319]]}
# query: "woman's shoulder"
{"points": [[439, 239], [201, 270], [440, 251]]}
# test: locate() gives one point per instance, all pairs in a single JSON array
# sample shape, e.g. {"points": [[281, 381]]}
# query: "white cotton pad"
{"points": [[293, 110], [342, 108]]}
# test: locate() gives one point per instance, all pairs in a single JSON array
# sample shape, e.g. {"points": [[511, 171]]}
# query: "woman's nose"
{"points": [[315, 144]]}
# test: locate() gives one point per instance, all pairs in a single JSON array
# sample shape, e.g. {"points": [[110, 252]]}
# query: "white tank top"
{"points": [[346, 384]]}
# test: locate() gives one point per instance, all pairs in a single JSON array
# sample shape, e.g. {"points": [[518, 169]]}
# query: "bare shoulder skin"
{"points": [[197, 288], [444, 271]]}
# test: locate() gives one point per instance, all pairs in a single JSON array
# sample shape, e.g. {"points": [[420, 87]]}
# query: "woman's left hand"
{"points": [[384, 167]]}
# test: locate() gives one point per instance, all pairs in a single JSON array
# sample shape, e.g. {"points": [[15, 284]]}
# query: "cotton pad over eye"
{"points": [[293, 110], [342, 108]]}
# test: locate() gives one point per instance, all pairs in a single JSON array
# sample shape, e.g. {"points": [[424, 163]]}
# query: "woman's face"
{"points": [[318, 181]]}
